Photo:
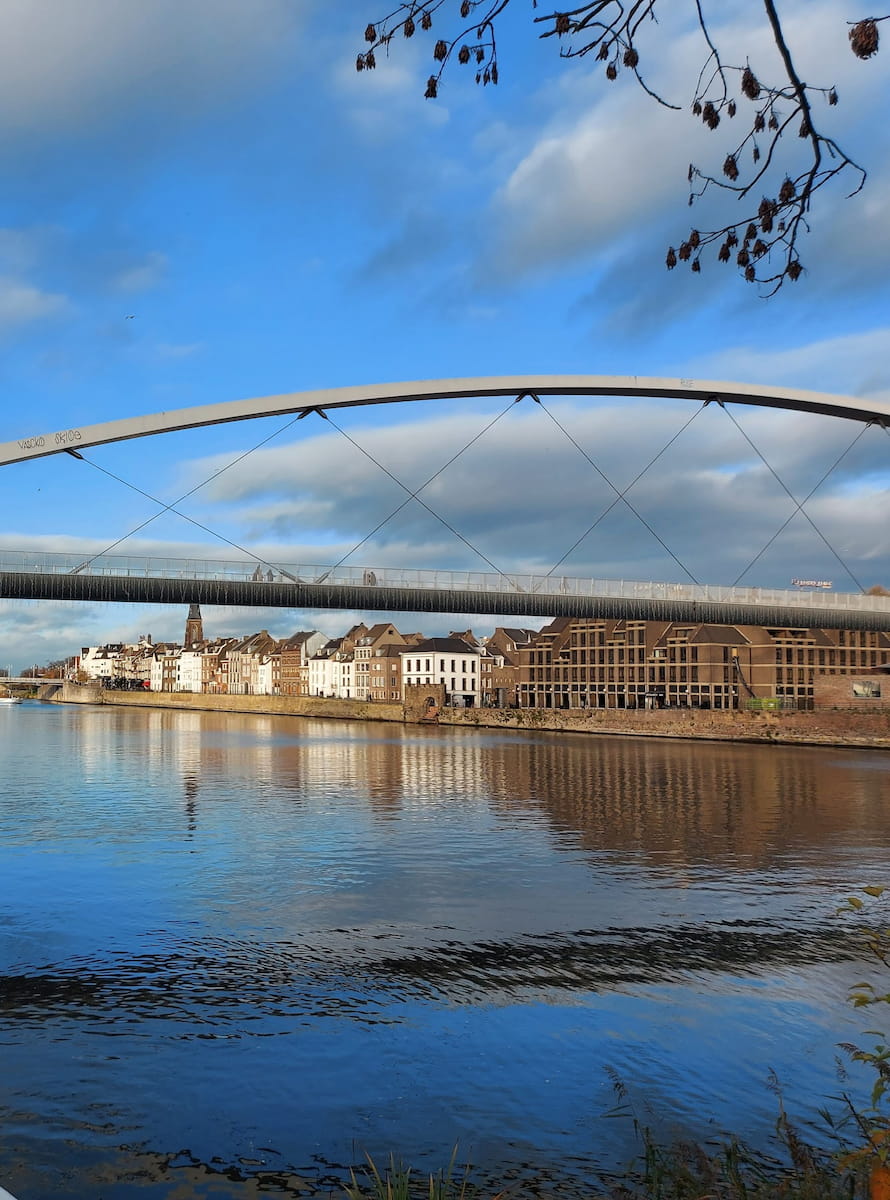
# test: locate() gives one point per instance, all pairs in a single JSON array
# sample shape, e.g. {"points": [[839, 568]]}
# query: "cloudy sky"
{"points": [[204, 201]]}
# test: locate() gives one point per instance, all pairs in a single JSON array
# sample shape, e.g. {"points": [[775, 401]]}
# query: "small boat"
{"points": [[9, 700]]}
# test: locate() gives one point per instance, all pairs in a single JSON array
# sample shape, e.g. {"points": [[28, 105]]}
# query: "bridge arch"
{"points": [[635, 386]]}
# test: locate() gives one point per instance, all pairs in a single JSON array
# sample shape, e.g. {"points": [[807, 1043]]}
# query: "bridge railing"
{"points": [[243, 570]]}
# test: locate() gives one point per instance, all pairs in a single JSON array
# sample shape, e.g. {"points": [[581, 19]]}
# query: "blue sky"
{"points": [[204, 201]]}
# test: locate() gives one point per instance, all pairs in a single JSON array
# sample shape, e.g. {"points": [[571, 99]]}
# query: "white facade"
{"points": [[163, 671], [189, 671], [332, 674], [261, 676], [320, 676], [343, 675], [447, 661], [115, 660]]}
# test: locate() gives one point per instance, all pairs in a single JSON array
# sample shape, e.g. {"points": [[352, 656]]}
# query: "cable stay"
{"points": [[620, 496], [171, 508], [798, 505], [415, 495]]}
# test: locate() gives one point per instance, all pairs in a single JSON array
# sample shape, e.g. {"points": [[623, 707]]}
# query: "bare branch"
{"points": [[764, 241]]}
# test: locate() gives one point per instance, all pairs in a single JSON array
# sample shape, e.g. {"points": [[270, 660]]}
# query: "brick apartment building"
{"points": [[577, 663]]}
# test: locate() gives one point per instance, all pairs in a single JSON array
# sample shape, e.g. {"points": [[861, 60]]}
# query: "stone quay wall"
{"points": [[825, 727]]}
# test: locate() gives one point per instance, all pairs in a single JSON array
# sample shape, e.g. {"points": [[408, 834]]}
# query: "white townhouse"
{"points": [[163, 670], [190, 669], [332, 671], [449, 661], [116, 660]]}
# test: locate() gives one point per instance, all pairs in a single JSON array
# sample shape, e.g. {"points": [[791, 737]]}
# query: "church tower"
{"points": [[194, 626]]}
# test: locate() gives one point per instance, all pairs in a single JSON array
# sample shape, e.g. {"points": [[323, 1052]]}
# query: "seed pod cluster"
{"points": [[750, 86], [864, 38], [766, 213], [731, 167]]}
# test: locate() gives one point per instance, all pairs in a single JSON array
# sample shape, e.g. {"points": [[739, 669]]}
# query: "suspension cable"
{"points": [[623, 493], [619, 496], [799, 507], [415, 495], [165, 508], [786, 523]]}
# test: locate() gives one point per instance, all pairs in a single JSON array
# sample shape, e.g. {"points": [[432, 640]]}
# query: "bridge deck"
{"points": [[26, 575]]}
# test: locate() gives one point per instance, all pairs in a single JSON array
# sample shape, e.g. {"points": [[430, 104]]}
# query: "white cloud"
{"points": [[67, 65], [855, 364], [141, 276], [22, 302]]}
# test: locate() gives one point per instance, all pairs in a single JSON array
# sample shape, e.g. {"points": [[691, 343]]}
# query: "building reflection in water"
{"points": [[679, 803]]}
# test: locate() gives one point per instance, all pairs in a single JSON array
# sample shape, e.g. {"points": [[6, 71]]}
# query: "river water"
{"points": [[239, 947]]}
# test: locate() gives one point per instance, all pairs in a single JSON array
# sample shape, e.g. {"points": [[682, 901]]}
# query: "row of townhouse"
{"points": [[570, 663], [258, 664], [255, 665], [377, 663], [368, 663]]}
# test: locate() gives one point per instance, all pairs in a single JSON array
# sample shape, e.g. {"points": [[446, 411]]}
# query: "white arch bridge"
{"points": [[33, 575]]}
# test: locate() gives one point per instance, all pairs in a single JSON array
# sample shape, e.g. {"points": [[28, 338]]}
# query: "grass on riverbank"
{"points": [[683, 1171]]}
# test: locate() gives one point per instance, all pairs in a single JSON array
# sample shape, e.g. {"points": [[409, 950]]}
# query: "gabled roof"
{"points": [[388, 650], [296, 640], [717, 635]]}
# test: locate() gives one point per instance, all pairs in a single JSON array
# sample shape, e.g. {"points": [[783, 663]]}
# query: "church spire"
{"points": [[194, 626]]}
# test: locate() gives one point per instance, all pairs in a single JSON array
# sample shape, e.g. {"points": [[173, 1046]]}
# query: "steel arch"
{"points": [[637, 386]]}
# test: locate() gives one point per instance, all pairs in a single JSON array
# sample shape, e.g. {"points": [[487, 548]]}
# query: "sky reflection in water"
{"points": [[290, 942]]}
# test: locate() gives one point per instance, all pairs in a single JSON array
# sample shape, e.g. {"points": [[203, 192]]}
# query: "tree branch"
{"points": [[764, 241]]}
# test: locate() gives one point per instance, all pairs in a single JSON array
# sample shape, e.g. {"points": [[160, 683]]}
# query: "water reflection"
{"points": [[330, 936]]}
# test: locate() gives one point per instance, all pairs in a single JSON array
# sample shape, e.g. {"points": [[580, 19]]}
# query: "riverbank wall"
{"points": [[825, 727]]}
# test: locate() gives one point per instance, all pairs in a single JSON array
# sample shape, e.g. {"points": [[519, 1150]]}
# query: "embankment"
{"points": [[826, 727]]}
